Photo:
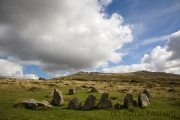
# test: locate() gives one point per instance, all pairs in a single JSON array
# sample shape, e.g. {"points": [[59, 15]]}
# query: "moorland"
{"points": [[164, 88]]}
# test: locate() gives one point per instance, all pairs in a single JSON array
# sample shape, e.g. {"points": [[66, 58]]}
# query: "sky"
{"points": [[43, 38]]}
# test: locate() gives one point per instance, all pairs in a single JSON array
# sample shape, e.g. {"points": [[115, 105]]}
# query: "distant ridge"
{"points": [[139, 75]]}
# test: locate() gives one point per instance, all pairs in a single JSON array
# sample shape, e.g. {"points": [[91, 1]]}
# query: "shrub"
{"points": [[41, 78]]}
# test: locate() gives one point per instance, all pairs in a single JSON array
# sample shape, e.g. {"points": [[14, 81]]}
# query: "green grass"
{"points": [[10, 97]]}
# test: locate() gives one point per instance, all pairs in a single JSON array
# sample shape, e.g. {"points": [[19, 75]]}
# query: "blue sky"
{"points": [[50, 39]]}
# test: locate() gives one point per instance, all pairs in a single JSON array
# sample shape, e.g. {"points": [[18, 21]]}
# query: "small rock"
{"points": [[93, 89], [128, 101], [57, 98], [75, 104], [71, 91], [143, 100], [50, 94], [101, 91], [130, 91], [147, 93], [117, 106], [89, 103], [105, 101], [123, 91]]}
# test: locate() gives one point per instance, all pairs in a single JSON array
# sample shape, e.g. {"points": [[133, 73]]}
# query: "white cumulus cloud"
{"points": [[30, 76], [173, 45], [61, 35], [161, 59], [13, 70]]}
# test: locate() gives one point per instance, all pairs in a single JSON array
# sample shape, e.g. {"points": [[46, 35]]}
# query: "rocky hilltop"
{"points": [[137, 76]]}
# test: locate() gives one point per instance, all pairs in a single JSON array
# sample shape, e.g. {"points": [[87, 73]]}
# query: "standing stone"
{"points": [[93, 89], [130, 91], [50, 94], [147, 93], [105, 101], [71, 91], [117, 106], [75, 104], [57, 98], [143, 100], [89, 103], [128, 101]]}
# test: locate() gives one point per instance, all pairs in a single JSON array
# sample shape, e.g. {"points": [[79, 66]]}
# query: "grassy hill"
{"points": [[138, 76]]}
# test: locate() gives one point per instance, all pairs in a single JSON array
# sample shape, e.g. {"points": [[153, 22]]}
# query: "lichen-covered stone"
{"points": [[57, 98], [89, 103], [75, 104], [105, 101]]}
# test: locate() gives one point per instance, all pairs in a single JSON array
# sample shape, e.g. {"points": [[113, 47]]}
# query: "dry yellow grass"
{"points": [[157, 87]]}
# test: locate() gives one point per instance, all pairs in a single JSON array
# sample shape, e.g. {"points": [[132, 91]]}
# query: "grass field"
{"points": [[165, 104]]}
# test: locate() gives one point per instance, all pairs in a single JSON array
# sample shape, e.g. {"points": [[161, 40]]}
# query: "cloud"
{"points": [[13, 70], [153, 16], [62, 35], [10, 69], [30, 76], [145, 42], [123, 68], [105, 2], [173, 45], [157, 59], [161, 59], [154, 40], [138, 29]]}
